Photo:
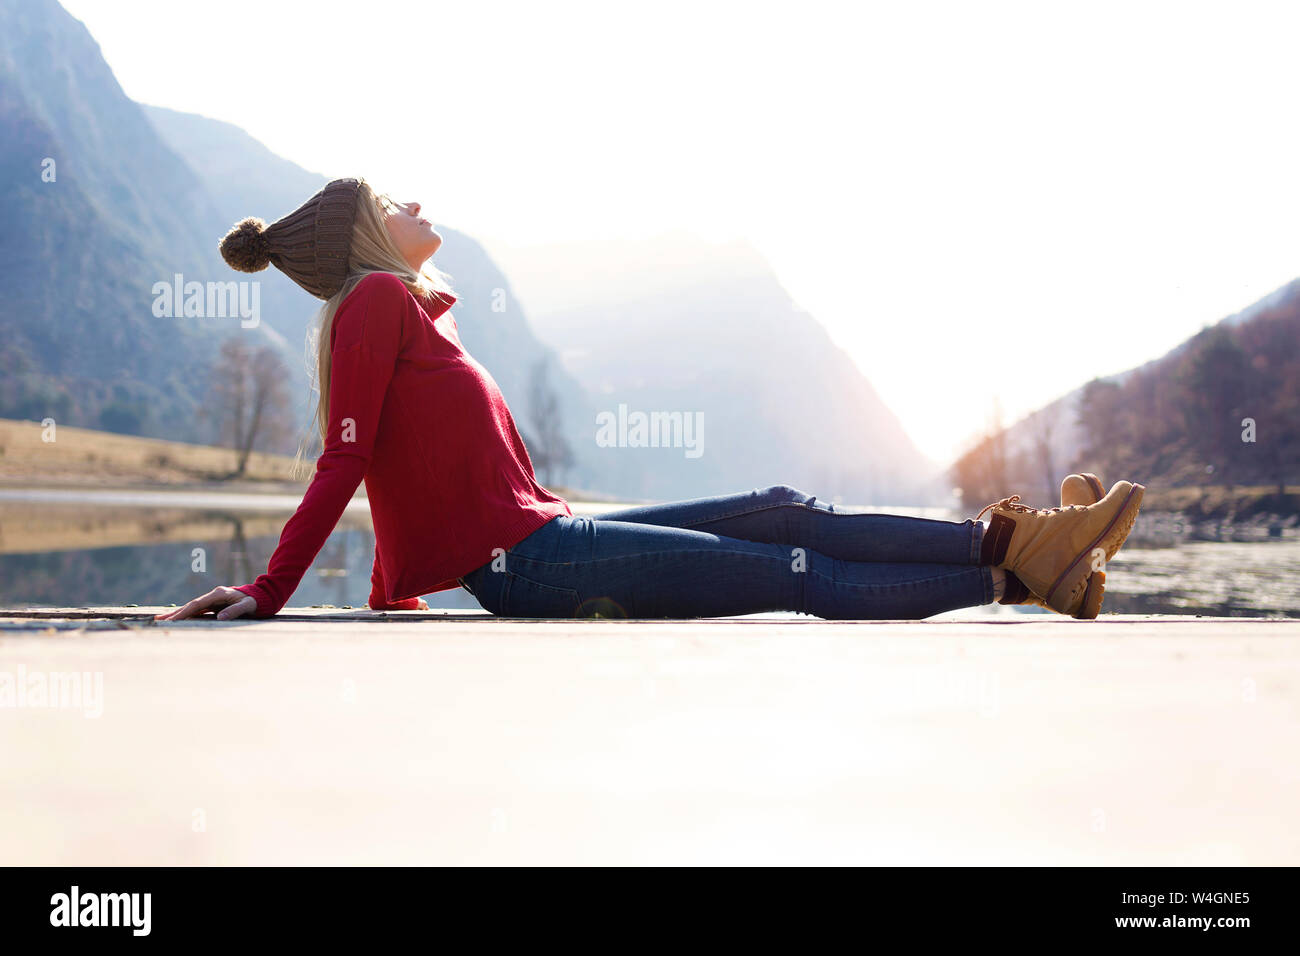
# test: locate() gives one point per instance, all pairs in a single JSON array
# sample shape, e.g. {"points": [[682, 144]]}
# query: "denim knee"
{"points": [[782, 494]]}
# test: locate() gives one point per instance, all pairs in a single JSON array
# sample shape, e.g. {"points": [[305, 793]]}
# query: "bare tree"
{"points": [[981, 474], [249, 399], [1042, 428], [552, 454]]}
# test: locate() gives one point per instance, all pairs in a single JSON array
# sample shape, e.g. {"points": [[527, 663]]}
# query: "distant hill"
{"points": [[678, 324], [1176, 421], [79, 255]]}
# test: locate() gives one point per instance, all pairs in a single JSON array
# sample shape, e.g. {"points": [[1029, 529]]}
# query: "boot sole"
{"points": [[1092, 597], [1112, 550], [1110, 540], [1095, 593]]}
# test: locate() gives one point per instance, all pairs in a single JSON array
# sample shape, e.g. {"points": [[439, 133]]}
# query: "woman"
{"points": [[455, 503]]}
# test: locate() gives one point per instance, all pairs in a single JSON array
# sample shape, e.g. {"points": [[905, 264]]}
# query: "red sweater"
{"points": [[411, 412]]}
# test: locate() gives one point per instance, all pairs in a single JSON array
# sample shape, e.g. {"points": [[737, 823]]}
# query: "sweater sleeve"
{"points": [[367, 336], [379, 594]]}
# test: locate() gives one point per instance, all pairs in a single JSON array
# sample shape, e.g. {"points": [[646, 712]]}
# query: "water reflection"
{"points": [[61, 556]]}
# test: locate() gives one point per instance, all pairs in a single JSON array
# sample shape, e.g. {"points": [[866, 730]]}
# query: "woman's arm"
{"points": [[367, 332]]}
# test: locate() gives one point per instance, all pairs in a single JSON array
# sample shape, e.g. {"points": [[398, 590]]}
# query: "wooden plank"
{"points": [[457, 738]]}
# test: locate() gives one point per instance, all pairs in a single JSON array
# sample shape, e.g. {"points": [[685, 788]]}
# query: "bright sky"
{"points": [[1066, 189]]}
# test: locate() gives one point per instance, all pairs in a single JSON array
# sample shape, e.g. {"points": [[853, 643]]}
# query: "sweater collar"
{"points": [[437, 304]]}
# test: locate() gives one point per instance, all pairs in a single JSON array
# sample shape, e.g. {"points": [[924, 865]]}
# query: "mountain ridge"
{"points": [[663, 322], [1059, 435]]}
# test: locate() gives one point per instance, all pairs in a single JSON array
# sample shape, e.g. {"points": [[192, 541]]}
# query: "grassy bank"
{"points": [[83, 457], [86, 458], [1216, 503]]}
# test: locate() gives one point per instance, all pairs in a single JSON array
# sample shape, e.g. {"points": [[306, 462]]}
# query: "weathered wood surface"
{"points": [[325, 736]]}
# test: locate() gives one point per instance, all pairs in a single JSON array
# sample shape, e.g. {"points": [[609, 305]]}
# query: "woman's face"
{"points": [[413, 235]]}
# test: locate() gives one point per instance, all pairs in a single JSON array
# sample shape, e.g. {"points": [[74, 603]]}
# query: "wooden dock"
{"points": [[357, 737]]}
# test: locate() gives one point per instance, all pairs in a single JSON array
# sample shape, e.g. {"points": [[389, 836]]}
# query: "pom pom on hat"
{"points": [[311, 245], [246, 247]]}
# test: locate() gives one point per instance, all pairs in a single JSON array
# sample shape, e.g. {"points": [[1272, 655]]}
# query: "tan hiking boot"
{"points": [[1084, 489], [1054, 551]]}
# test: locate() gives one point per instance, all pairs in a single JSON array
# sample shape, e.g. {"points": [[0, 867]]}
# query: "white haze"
{"points": [[982, 202]]}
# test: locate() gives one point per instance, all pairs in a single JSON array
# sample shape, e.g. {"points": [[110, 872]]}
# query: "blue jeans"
{"points": [[771, 549]]}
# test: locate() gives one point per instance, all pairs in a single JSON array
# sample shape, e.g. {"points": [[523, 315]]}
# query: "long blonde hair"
{"points": [[373, 250]]}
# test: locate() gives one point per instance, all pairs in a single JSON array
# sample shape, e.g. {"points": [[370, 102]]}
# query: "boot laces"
{"points": [[1006, 504], [1013, 503]]}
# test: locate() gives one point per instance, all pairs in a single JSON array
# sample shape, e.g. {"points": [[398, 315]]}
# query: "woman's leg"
{"points": [[783, 515], [585, 567]]}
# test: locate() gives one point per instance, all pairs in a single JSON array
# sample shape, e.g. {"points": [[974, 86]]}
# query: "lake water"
{"points": [[72, 548]]}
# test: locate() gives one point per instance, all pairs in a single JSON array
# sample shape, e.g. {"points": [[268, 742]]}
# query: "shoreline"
{"points": [[1195, 505]]}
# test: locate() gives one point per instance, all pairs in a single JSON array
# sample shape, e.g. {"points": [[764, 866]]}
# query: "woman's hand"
{"points": [[227, 602]]}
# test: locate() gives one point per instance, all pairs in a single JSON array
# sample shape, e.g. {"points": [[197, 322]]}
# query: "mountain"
{"points": [[1221, 407], [676, 324], [105, 198], [97, 210]]}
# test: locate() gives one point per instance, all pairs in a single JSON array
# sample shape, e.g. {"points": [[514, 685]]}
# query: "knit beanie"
{"points": [[310, 245]]}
